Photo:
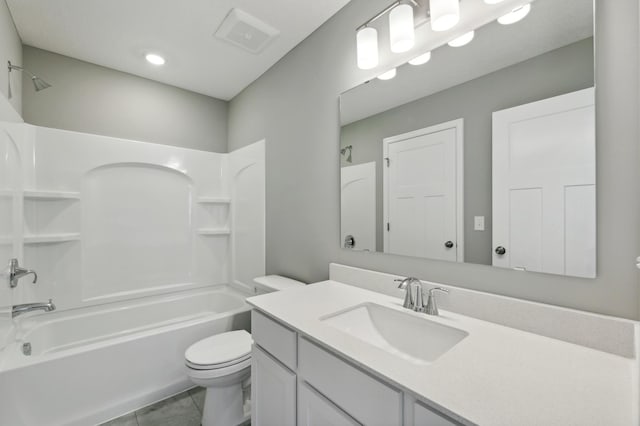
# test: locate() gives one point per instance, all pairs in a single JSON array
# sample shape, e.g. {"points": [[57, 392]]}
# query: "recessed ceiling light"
{"points": [[515, 15], [387, 75], [155, 59], [422, 59], [462, 40]]}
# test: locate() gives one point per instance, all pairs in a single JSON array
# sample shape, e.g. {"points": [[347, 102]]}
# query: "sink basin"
{"points": [[410, 337]]}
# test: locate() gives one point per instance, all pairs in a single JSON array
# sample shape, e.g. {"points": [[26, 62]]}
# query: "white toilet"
{"points": [[222, 364]]}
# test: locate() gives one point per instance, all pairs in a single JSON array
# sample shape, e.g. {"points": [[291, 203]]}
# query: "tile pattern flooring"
{"points": [[184, 409]]}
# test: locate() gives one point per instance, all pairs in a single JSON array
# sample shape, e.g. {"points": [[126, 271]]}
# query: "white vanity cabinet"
{"points": [[297, 382], [367, 399], [423, 415], [273, 380], [273, 391], [316, 410]]}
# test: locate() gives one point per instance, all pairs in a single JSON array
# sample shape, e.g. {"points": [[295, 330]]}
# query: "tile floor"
{"points": [[184, 409]]}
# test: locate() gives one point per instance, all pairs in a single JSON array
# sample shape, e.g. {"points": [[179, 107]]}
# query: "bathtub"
{"points": [[90, 365]]}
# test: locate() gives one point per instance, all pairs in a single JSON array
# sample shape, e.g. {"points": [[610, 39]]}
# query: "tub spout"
{"points": [[28, 307]]}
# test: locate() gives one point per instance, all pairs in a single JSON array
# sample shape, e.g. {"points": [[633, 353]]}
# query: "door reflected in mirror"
{"points": [[484, 154]]}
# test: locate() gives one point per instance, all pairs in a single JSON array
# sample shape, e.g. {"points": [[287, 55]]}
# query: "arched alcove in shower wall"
{"points": [[137, 229]]}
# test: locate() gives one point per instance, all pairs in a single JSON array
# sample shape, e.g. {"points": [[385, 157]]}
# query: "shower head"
{"points": [[38, 83], [344, 150]]}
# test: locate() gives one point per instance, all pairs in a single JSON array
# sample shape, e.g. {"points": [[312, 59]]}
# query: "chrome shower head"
{"points": [[38, 83], [344, 150]]}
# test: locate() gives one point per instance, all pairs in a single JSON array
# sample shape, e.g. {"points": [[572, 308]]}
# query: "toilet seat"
{"points": [[197, 366], [220, 351], [217, 373]]}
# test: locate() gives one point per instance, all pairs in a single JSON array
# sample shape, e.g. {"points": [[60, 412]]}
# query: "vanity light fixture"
{"points": [[388, 75], [401, 28], [367, 48], [462, 40], [154, 59], [515, 15], [445, 14], [421, 59]]}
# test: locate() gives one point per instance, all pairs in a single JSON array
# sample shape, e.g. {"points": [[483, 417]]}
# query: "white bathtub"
{"points": [[91, 365]]}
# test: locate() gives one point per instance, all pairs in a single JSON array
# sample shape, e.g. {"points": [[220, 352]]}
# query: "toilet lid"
{"points": [[226, 348]]}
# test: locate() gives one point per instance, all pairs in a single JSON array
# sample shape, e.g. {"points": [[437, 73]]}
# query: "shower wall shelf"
{"points": [[51, 238], [214, 200], [51, 195], [214, 231]]}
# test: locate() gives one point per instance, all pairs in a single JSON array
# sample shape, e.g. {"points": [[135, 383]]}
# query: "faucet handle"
{"points": [[431, 290], [403, 282], [16, 272], [432, 307]]}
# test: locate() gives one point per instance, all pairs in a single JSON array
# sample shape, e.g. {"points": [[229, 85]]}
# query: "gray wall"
{"points": [[563, 70], [294, 106], [10, 50], [89, 98]]}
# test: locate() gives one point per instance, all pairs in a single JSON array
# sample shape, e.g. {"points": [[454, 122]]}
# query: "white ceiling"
{"points": [[118, 33]]}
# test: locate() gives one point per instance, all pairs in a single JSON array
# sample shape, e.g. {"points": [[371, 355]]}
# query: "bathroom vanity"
{"points": [[334, 353]]}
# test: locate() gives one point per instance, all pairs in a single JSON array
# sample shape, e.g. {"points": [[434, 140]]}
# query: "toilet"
{"points": [[222, 364]]}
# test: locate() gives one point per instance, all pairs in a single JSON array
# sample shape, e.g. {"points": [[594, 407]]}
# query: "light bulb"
{"points": [[462, 40], [445, 14], [367, 47], [515, 15], [401, 30], [422, 59], [387, 75], [155, 59]]}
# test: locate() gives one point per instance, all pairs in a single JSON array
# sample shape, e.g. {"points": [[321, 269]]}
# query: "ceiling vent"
{"points": [[246, 31]]}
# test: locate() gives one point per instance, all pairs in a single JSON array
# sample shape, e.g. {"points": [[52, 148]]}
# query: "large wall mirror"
{"points": [[483, 154]]}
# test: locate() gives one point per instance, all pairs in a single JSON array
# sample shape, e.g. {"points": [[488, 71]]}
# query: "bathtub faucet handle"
{"points": [[16, 272]]}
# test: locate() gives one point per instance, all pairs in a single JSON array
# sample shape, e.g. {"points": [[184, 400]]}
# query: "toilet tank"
{"points": [[271, 283]]}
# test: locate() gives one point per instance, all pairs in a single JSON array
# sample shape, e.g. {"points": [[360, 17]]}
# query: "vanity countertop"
{"points": [[495, 376]]}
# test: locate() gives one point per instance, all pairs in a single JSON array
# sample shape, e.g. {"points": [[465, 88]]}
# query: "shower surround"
{"points": [[143, 248]]}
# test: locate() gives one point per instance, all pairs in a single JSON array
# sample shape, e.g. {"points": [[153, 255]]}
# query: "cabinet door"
{"points": [[273, 391], [315, 410], [423, 416]]}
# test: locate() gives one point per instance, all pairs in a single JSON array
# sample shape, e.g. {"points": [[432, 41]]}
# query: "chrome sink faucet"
{"points": [[16, 272], [412, 298], [28, 307]]}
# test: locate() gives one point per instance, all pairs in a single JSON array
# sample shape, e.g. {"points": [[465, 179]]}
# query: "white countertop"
{"points": [[495, 376]]}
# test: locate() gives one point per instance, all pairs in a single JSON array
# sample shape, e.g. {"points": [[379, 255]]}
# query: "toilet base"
{"points": [[224, 403], [225, 406]]}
